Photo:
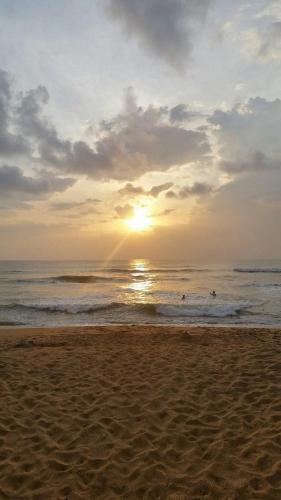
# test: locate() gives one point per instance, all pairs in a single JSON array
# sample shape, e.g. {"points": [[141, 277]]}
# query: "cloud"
{"points": [[165, 212], [13, 180], [257, 162], [270, 42], [264, 43], [32, 124], [156, 190], [166, 27], [124, 211], [266, 38], [248, 128], [136, 141], [131, 190], [272, 9], [181, 113], [70, 205], [198, 189], [242, 218], [72, 211], [10, 143], [237, 221], [15, 205], [35, 135]]}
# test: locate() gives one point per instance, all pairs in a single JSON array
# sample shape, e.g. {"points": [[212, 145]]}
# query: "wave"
{"points": [[61, 308], [257, 269], [211, 311], [68, 278], [10, 271], [160, 270], [28, 281], [152, 309], [84, 279], [261, 285], [10, 323]]}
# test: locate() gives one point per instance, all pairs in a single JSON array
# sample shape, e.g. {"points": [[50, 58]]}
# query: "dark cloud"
{"points": [[181, 113], [156, 190], [11, 207], [69, 205], [171, 194], [37, 128], [165, 212], [257, 162], [35, 135], [13, 180], [131, 190], [166, 27], [10, 143], [198, 189], [249, 140], [137, 141], [238, 213], [247, 128], [245, 209], [270, 42], [134, 142], [124, 211]]}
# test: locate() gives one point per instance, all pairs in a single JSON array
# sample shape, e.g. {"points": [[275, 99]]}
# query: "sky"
{"points": [[140, 129]]}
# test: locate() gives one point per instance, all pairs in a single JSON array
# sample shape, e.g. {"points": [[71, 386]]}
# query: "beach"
{"points": [[140, 412]]}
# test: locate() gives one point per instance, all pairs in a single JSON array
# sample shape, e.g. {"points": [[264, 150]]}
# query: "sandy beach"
{"points": [[148, 412]]}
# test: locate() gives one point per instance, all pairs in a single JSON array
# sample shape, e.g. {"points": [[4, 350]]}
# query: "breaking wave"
{"points": [[10, 323], [61, 308], [152, 309], [68, 278], [257, 269], [211, 311]]}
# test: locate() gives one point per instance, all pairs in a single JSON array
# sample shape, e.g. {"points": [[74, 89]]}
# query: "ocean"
{"points": [[48, 293]]}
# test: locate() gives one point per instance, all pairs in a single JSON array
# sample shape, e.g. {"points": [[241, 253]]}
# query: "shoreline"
{"points": [[140, 411], [100, 329], [150, 325]]}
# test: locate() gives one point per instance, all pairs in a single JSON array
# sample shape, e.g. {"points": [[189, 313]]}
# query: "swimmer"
{"points": [[213, 293]]}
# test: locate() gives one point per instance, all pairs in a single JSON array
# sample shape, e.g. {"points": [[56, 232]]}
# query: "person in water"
{"points": [[213, 293], [183, 297]]}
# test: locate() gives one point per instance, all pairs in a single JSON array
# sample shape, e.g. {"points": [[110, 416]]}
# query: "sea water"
{"points": [[47, 293]]}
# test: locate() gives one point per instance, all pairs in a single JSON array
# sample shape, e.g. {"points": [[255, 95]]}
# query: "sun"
{"points": [[140, 220]]}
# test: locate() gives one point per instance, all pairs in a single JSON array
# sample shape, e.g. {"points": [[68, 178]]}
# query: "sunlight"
{"points": [[138, 291], [140, 220], [139, 265]]}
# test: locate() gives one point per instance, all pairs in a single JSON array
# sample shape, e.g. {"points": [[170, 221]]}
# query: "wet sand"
{"points": [[140, 412]]}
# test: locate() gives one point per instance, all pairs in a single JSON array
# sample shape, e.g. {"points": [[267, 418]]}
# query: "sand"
{"points": [[140, 412]]}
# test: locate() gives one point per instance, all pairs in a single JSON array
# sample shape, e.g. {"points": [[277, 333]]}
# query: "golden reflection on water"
{"points": [[144, 281], [140, 265]]}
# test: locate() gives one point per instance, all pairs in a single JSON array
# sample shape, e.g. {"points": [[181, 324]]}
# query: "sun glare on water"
{"points": [[140, 220]]}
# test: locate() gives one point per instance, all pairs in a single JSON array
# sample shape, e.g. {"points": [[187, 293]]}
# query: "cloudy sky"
{"points": [[170, 107]]}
